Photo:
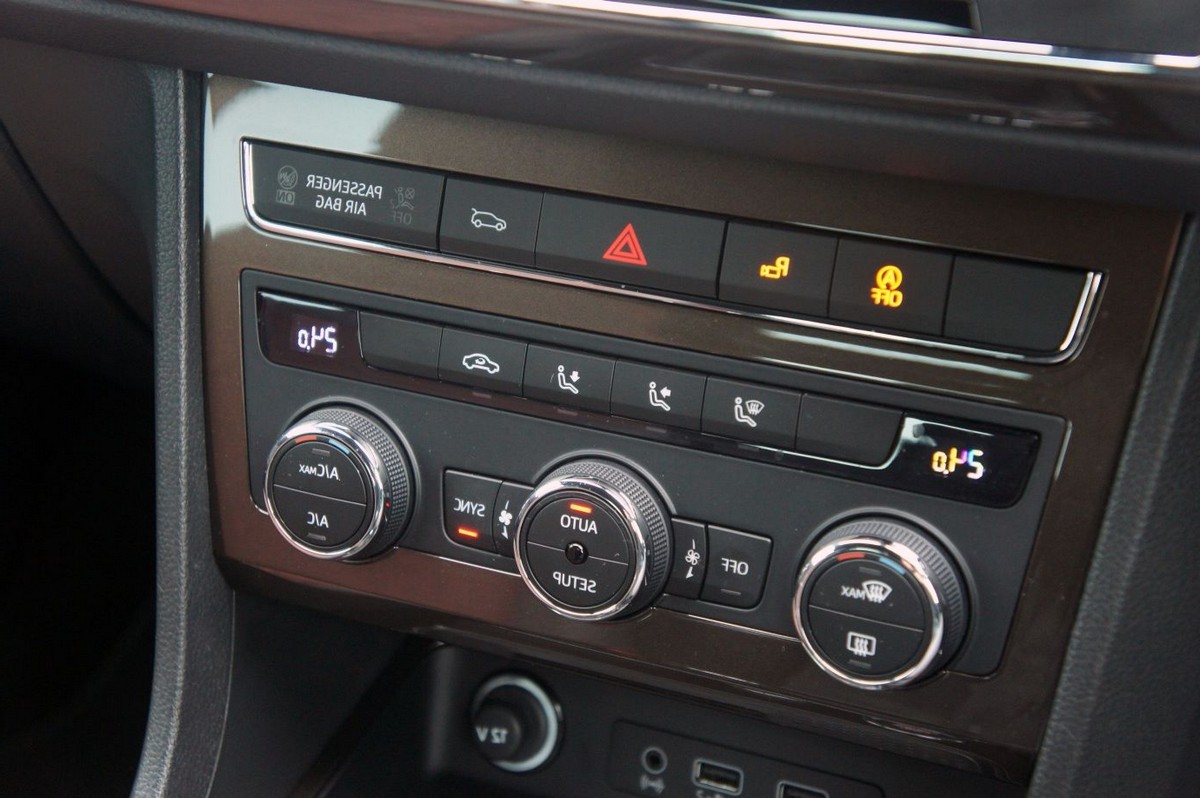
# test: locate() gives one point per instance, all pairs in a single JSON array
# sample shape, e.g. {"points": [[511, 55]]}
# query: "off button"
{"points": [[737, 567]]}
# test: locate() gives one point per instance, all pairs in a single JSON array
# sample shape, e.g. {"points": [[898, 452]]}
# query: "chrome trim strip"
{"points": [[880, 40], [1083, 312], [1066, 350]]}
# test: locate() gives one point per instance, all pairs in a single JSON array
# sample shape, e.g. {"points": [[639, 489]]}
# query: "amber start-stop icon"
{"points": [[887, 282]]}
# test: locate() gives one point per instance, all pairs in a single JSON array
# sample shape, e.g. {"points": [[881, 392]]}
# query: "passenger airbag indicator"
{"points": [[353, 196]]}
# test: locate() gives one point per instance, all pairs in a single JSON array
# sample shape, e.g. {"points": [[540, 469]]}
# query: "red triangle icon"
{"points": [[626, 248]]}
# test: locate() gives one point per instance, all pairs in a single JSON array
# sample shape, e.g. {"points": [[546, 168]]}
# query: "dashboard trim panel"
{"points": [[991, 725]]}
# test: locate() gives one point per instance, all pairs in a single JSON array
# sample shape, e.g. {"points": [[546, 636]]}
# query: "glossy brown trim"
{"points": [[992, 724]]}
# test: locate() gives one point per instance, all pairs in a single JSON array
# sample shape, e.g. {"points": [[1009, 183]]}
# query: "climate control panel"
{"points": [[884, 569]]}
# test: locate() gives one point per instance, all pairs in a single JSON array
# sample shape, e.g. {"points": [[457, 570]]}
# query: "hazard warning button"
{"points": [[630, 244]]}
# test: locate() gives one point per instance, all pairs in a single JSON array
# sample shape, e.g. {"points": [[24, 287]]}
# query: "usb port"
{"points": [[722, 778], [789, 790]]}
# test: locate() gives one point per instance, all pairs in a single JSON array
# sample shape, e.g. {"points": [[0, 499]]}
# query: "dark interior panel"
{"points": [[1133, 245], [61, 304], [595, 398]]}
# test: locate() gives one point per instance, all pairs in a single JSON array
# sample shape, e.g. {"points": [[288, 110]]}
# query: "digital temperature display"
{"points": [[296, 332], [982, 464], [966, 461], [315, 336]]}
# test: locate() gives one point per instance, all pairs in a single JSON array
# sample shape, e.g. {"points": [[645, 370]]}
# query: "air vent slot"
{"points": [[926, 16]]}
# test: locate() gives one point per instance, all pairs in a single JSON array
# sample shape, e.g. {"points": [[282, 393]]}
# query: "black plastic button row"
{"points": [[486, 361], [892, 286], [711, 563], [817, 425], [879, 284], [812, 424]]}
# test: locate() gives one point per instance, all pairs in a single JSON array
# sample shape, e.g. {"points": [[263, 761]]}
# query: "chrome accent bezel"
{"points": [[915, 567], [882, 40], [616, 502], [550, 710], [1066, 350], [371, 467]]}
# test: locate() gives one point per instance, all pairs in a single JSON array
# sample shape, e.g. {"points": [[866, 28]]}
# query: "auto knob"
{"points": [[593, 541], [879, 604], [338, 485]]}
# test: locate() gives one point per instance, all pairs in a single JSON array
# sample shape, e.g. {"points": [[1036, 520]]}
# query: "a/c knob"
{"points": [[338, 485]]}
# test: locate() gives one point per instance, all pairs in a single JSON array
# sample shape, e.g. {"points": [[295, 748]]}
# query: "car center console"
{"points": [[821, 447]]}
